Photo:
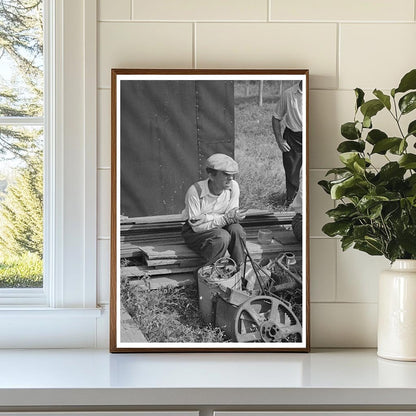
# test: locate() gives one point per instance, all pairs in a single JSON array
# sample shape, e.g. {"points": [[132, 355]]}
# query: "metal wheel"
{"points": [[266, 319]]}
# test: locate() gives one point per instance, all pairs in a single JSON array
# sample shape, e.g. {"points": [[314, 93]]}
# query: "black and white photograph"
{"points": [[209, 216]]}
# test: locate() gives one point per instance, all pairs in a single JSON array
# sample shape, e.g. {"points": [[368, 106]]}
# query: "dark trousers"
{"points": [[213, 244], [292, 162]]}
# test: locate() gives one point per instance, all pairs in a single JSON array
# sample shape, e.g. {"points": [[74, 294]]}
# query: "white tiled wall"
{"points": [[345, 44]]}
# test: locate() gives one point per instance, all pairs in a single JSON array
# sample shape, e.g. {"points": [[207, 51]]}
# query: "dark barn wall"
{"points": [[168, 129]]}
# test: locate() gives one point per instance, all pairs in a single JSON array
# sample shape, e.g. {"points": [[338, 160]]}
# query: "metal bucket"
{"points": [[226, 307], [210, 285]]}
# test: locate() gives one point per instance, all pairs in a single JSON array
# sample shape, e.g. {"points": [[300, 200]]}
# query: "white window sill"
{"points": [[40, 327], [330, 379], [39, 311]]}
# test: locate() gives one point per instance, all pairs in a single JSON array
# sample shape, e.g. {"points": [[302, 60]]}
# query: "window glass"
{"points": [[21, 143]]}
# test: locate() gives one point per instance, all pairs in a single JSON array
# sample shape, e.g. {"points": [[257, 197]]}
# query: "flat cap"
{"points": [[224, 163]]}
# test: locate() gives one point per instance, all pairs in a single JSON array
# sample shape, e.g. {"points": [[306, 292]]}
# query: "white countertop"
{"points": [[96, 377]]}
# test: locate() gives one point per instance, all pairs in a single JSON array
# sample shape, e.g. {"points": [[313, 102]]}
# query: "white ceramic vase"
{"points": [[397, 312]]}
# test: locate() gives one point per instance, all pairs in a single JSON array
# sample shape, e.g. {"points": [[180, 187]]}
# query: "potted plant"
{"points": [[376, 209]]}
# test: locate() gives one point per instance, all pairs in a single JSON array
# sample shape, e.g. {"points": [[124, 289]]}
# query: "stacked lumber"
{"points": [[159, 253]]}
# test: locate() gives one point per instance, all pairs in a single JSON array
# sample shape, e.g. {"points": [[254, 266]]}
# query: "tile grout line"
{"points": [[228, 21], [336, 271], [131, 10], [338, 63], [269, 10], [344, 302], [194, 62]]}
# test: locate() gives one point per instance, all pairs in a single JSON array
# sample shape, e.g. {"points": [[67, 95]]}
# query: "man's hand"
{"points": [[234, 215], [230, 216], [283, 145], [241, 214], [281, 142]]}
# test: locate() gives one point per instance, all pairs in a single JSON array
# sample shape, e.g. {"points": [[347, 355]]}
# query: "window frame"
{"points": [[37, 296], [67, 303]]}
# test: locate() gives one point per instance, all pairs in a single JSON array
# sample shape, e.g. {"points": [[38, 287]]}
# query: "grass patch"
{"points": [[261, 177], [168, 314], [25, 271]]}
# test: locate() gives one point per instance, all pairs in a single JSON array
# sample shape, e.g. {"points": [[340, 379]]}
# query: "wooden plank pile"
{"points": [[160, 257]]}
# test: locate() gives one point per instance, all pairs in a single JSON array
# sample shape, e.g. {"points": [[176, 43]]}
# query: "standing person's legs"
{"points": [[211, 244], [292, 162]]}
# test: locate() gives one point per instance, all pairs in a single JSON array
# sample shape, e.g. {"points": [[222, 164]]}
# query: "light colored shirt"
{"points": [[207, 210], [289, 108]]}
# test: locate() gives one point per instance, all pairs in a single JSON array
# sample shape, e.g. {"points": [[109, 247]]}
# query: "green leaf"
{"points": [[342, 179], [359, 94], [342, 211], [371, 108], [398, 149], [369, 201], [375, 136], [338, 189], [349, 131], [408, 161], [411, 180], [411, 130], [361, 231], [325, 186], [407, 239], [368, 248], [411, 184], [391, 212], [375, 211], [338, 171], [393, 250], [348, 158], [408, 102], [348, 186], [349, 146], [385, 99], [408, 82], [367, 122], [333, 229], [346, 242], [383, 145], [391, 170], [359, 166], [374, 242]]}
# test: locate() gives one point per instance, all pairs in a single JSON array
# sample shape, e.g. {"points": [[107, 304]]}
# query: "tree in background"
{"points": [[21, 81], [21, 225], [21, 95]]}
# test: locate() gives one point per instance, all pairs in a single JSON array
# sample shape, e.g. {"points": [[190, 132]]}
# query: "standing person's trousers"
{"points": [[292, 162], [213, 244]]}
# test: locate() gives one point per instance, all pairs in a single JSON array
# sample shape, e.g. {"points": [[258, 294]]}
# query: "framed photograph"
{"points": [[209, 214]]}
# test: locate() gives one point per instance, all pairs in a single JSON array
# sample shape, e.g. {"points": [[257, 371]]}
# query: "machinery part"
{"points": [[266, 319], [256, 268], [225, 267], [285, 262], [297, 226]]}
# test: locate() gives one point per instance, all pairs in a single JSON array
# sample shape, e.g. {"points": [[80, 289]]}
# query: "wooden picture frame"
{"points": [[164, 295]]}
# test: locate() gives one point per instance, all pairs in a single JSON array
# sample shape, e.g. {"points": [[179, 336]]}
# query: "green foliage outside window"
{"points": [[21, 146]]}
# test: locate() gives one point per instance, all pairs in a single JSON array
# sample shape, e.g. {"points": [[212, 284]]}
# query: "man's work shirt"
{"points": [[289, 108], [206, 210]]}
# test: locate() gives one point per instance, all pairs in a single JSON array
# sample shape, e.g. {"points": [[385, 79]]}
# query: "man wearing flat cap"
{"points": [[212, 213]]}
